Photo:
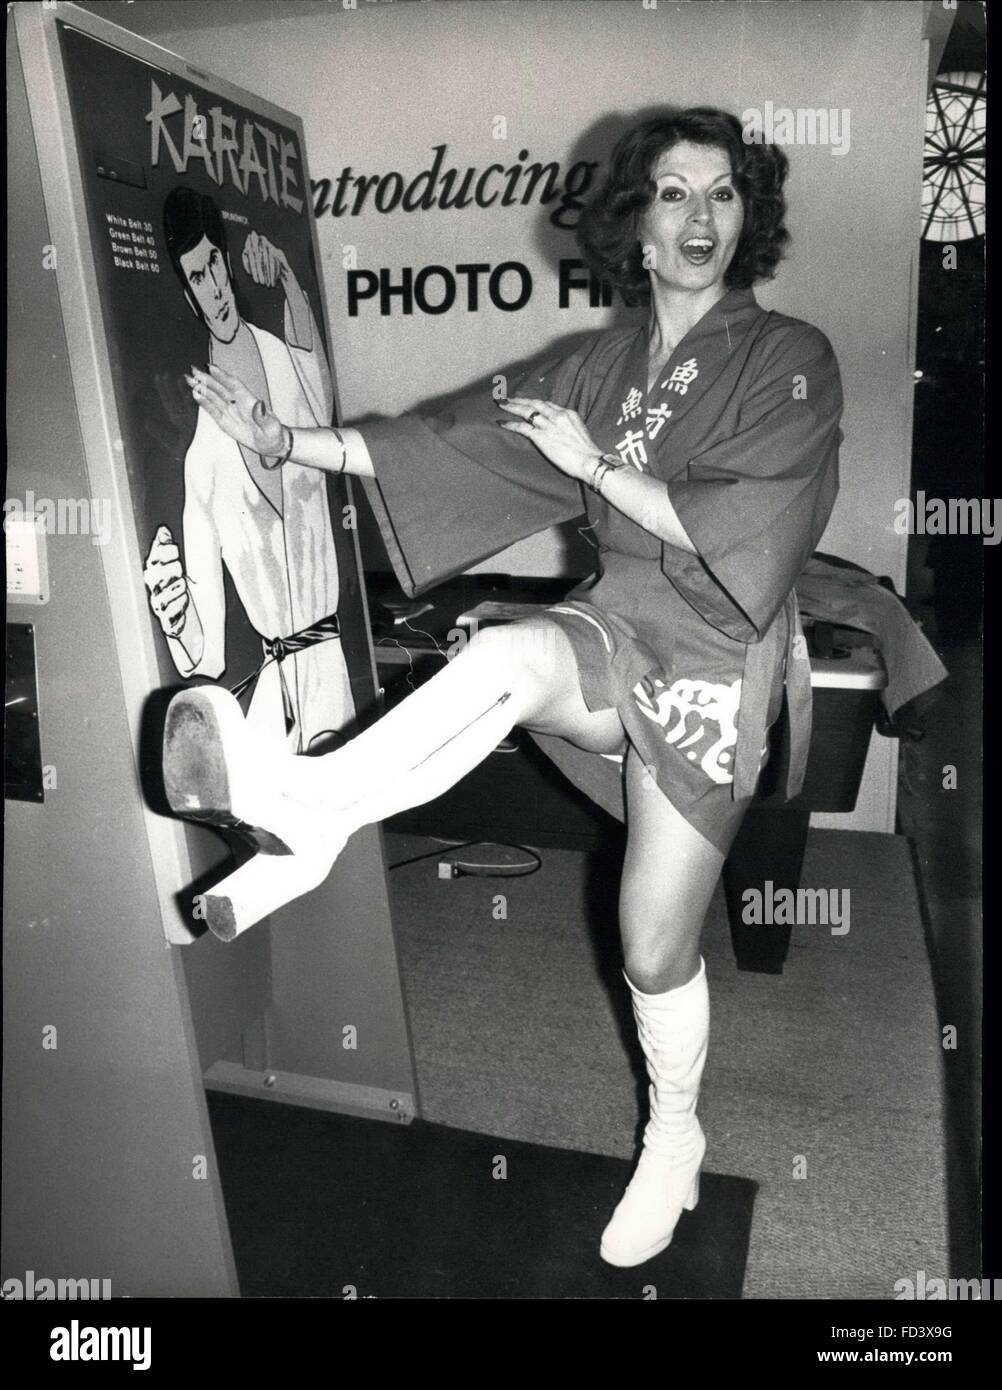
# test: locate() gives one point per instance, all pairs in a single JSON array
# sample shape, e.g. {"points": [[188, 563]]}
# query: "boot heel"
{"points": [[690, 1202], [259, 888]]}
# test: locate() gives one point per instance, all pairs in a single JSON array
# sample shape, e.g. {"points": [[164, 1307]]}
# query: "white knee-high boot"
{"points": [[674, 1029], [217, 770]]}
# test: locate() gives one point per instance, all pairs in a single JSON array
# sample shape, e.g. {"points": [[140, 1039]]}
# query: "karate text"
{"points": [[253, 156]]}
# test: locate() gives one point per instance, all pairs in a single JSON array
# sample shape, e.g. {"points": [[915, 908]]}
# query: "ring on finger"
{"points": [[532, 418]]}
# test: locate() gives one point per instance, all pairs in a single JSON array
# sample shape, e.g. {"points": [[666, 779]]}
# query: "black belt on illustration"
{"points": [[276, 649]]}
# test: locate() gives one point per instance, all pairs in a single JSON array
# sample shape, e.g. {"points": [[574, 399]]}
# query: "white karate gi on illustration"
{"points": [[284, 567]]}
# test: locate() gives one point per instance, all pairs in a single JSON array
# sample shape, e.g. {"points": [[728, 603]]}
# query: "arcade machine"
{"points": [[161, 218]]}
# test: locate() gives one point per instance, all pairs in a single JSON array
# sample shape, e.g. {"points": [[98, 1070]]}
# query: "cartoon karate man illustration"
{"points": [[270, 526]]}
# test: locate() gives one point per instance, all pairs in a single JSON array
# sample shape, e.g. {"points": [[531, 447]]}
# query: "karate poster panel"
{"points": [[195, 196], [199, 214]]}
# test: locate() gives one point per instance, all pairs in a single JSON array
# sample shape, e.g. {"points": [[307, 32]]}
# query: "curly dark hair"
{"points": [[607, 230]]}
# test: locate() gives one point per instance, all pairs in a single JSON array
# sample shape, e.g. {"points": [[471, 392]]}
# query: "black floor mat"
{"points": [[323, 1205]]}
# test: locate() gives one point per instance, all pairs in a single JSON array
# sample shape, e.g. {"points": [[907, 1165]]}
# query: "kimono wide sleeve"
{"points": [[755, 504], [452, 488]]}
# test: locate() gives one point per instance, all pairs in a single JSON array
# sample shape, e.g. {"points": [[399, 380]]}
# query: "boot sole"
{"points": [[196, 779], [647, 1254]]}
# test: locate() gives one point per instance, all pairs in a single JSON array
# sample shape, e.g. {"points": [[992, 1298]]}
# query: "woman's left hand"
{"points": [[237, 411], [558, 434]]}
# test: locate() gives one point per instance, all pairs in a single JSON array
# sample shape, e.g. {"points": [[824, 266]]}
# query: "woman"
{"points": [[707, 445]]}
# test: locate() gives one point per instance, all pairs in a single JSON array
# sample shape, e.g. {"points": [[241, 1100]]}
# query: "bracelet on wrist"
{"points": [[283, 457], [607, 463], [344, 448]]}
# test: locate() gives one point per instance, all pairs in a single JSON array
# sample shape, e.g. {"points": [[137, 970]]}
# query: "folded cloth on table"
{"points": [[833, 590]]}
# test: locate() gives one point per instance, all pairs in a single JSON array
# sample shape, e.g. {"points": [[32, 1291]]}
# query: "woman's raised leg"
{"points": [[521, 673]]}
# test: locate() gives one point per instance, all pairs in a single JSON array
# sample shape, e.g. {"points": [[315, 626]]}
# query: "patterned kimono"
{"points": [[694, 651]]}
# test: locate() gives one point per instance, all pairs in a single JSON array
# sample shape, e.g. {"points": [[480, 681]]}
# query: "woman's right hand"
{"points": [[237, 411]]}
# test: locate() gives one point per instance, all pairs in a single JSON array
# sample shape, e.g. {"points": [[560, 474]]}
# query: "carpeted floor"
{"points": [[823, 1085]]}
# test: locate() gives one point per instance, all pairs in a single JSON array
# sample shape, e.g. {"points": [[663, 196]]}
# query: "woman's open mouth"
{"points": [[698, 249]]}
